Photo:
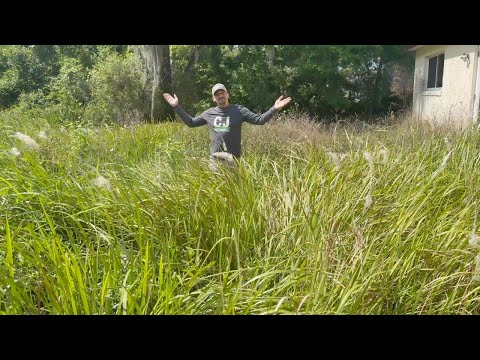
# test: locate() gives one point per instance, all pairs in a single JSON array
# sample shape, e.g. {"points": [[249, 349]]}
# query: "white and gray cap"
{"points": [[217, 87]]}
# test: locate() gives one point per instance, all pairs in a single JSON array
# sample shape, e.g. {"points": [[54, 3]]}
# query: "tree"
{"points": [[369, 69], [157, 62]]}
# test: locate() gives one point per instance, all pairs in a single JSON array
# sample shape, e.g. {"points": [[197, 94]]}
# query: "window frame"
{"points": [[437, 55]]}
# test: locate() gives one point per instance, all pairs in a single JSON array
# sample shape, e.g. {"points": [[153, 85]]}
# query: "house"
{"points": [[447, 83]]}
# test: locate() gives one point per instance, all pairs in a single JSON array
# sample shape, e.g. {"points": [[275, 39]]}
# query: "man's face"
{"points": [[221, 98]]}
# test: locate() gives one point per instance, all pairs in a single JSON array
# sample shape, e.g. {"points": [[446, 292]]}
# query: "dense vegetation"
{"points": [[343, 218], [113, 84]]}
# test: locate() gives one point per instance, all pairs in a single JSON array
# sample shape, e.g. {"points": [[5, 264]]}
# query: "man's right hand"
{"points": [[172, 100]]}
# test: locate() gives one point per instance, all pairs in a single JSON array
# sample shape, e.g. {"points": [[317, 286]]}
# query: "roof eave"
{"points": [[416, 47]]}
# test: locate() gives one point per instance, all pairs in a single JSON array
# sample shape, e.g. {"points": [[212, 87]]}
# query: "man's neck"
{"points": [[224, 106]]}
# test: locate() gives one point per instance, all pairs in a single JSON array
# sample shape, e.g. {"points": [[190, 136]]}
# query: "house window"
{"points": [[435, 71]]}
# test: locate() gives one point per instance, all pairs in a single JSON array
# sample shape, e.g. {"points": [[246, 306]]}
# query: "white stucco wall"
{"points": [[453, 103]]}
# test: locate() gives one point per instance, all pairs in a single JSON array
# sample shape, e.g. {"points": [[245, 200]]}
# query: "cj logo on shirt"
{"points": [[221, 124]]}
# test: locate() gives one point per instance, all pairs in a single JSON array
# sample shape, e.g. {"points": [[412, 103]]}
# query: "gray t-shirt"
{"points": [[226, 125]]}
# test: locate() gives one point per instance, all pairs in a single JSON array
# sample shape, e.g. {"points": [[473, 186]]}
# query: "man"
{"points": [[225, 122]]}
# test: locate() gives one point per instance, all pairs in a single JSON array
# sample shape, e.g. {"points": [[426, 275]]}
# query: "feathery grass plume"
{"points": [[476, 277], [100, 181], [368, 201], [27, 140], [359, 239], [443, 164], [42, 135], [335, 160], [14, 151], [448, 143], [473, 239], [287, 200], [369, 158], [124, 260], [307, 209], [384, 154]]}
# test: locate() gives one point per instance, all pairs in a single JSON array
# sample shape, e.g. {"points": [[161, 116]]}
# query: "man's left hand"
{"points": [[281, 102]]}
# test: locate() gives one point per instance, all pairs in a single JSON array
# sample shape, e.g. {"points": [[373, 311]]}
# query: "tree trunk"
{"points": [[270, 54], [378, 87], [162, 110], [193, 58], [157, 59]]}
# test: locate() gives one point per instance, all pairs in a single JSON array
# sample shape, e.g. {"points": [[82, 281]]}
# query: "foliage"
{"points": [[324, 80], [118, 90]]}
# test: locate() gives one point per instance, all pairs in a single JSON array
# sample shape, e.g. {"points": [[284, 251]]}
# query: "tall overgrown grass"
{"points": [[345, 218]]}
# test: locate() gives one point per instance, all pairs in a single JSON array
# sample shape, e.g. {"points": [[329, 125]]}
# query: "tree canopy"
{"points": [[323, 80]]}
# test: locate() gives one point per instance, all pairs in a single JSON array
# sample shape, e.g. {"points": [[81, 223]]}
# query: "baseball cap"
{"points": [[217, 87]]}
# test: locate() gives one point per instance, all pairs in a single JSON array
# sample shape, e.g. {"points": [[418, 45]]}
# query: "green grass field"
{"points": [[317, 219]]}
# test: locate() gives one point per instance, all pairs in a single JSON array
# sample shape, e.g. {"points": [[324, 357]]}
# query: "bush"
{"points": [[69, 91], [21, 71], [118, 90]]}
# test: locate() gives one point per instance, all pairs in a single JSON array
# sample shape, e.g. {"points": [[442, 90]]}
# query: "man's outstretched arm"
{"points": [[260, 119], [187, 119]]}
